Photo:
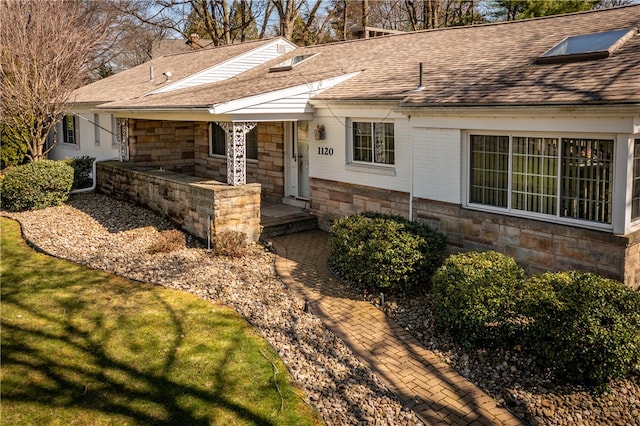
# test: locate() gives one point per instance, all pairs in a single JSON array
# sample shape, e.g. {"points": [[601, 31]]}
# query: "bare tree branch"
{"points": [[44, 56]]}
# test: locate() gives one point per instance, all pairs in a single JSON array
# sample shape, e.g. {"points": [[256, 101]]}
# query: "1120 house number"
{"points": [[325, 150]]}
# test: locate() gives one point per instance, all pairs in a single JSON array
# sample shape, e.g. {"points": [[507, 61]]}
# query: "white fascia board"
{"points": [[231, 67], [296, 97]]}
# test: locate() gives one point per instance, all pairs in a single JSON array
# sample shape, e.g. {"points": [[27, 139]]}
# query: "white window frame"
{"points": [[62, 131], [509, 211], [635, 177], [224, 155], [370, 166]]}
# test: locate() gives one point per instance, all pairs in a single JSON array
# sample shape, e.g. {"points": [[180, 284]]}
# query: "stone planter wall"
{"points": [[194, 204], [538, 246]]}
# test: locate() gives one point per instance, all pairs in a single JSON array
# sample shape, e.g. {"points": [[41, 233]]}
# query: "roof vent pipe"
{"points": [[151, 76], [420, 86]]}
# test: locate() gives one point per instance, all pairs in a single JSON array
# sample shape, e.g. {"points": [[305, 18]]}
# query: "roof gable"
{"points": [[232, 67]]}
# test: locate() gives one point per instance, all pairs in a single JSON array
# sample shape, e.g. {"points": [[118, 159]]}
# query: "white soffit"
{"points": [[231, 67], [292, 100]]}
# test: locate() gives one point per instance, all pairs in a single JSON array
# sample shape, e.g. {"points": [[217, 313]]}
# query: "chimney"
{"points": [[195, 41], [151, 76]]}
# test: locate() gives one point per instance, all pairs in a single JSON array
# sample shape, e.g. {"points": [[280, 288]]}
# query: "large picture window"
{"points": [[373, 143], [635, 198], [564, 177], [219, 142]]}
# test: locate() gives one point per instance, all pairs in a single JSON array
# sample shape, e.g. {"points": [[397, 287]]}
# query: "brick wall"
{"points": [[193, 204], [537, 246]]}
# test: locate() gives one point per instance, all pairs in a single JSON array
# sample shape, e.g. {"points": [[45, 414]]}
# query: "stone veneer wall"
{"points": [[537, 246], [188, 201], [268, 171], [331, 200], [167, 144]]}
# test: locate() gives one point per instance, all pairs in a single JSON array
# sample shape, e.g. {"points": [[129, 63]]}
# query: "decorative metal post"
{"points": [[236, 133], [122, 133]]}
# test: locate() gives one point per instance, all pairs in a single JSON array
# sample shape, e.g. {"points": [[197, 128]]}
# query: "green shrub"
{"points": [[381, 251], [36, 185], [168, 240], [13, 151], [584, 327], [474, 296], [82, 171]]}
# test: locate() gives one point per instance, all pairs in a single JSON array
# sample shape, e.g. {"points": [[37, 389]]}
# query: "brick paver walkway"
{"points": [[437, 393]]}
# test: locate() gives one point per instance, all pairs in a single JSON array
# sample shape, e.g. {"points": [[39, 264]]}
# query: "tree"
{"points": [[511, 10], [45, 51]]}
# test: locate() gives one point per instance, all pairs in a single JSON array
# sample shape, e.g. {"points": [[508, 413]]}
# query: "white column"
{"points": [[236, 133]]}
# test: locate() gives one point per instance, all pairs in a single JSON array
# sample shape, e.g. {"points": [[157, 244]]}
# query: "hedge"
{"points": [[36, 185], [380, 251]]}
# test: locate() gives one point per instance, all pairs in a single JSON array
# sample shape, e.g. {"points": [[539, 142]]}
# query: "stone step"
{"points": [[273, 227]]}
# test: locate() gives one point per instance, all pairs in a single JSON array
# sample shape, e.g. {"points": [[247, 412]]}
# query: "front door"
{"points": [[302, 156]]}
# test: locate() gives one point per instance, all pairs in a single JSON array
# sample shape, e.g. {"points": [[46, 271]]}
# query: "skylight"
{"points": [[587, 46], [291, 62]]}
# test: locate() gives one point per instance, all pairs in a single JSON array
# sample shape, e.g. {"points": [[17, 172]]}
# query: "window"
{"points": [[373, 143], [288, 64], [563, 177], [587, 46], [635, 198], [96, 129], [219, 142], [69, 129]]}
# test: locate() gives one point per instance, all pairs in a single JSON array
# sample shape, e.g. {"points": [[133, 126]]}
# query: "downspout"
{"points": [[411, 177], [95, 179], [412, 142]]}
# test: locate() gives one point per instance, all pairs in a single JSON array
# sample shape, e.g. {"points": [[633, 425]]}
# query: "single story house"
{"points": [[521, 137]]}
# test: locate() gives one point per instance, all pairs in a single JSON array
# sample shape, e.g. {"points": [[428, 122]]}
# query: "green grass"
{"points": [[83, 347]]}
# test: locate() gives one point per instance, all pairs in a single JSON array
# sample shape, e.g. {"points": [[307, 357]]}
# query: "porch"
{"points": [[202, 207]]}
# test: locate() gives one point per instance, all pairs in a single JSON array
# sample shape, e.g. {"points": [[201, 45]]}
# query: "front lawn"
{"points": [[83, 347]]}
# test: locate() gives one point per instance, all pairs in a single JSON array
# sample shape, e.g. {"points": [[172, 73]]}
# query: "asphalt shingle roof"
{"points": [[135, 81], [480, 65]]}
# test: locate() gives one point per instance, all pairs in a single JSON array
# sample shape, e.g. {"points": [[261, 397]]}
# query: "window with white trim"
{"points": [[69, 127], [218, 142], [373, 143], [635, 197], [555, 176]]}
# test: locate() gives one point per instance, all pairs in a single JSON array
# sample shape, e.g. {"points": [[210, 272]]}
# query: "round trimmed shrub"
{"points": [[36, 185], [380, 251], [82, 171], [584, 327], [474, 296]]}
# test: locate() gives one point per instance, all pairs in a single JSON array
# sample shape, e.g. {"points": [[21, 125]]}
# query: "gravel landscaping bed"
{"points": [[107, 234], [103, 233]]}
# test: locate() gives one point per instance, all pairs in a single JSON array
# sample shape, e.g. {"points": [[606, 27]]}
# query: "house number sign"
{"points": [[325, 150]]}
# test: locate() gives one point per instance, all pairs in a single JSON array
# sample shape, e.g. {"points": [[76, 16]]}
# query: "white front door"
{"points": [[302, 145]]}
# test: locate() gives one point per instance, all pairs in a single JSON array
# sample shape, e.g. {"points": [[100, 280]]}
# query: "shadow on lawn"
{"points": [[103, 383]]}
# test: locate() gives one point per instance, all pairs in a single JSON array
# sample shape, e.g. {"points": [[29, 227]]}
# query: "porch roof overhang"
{"points": [[289, 104]]}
